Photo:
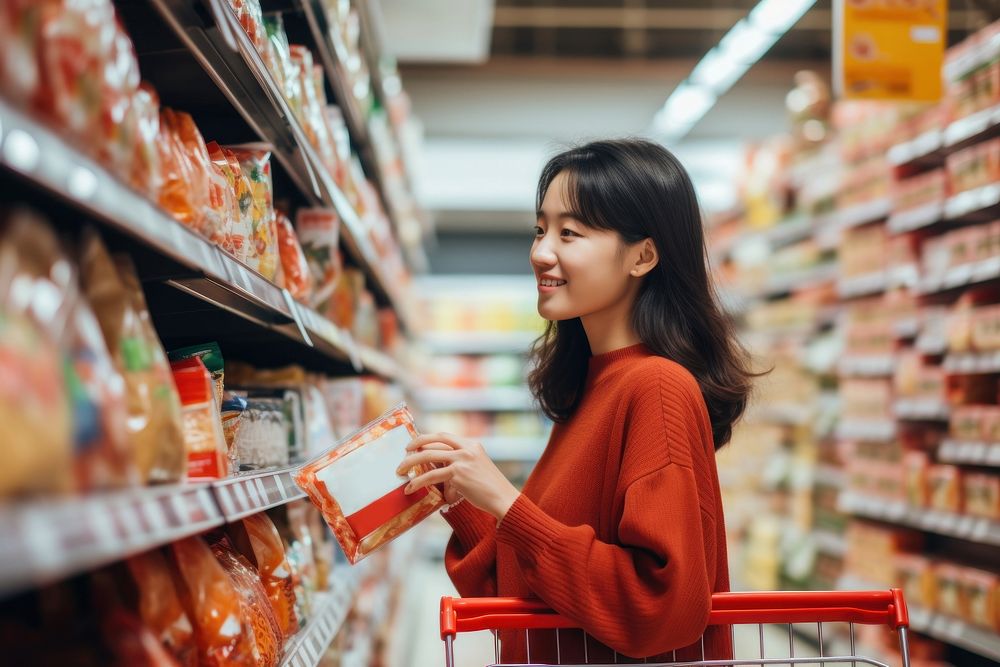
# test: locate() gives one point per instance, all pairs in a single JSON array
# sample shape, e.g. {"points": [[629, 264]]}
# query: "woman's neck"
{"points": [[607, 331]]}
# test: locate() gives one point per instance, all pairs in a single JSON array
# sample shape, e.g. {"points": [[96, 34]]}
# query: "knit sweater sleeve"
{"points": [[471, 556], [650, 591]]}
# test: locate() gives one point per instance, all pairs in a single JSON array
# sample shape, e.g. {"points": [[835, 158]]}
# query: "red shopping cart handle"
{"points": [[885, 607]]}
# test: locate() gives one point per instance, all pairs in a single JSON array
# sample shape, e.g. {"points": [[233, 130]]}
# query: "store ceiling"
{"points": [[496, 99]]}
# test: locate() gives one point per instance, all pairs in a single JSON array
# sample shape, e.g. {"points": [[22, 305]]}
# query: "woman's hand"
{"points": [[465, 472]]}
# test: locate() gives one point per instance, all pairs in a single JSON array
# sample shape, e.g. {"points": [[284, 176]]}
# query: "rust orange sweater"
{"points": [[619, 527]]}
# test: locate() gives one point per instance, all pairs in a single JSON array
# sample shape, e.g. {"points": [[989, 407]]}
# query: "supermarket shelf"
{"points": [[916, 218], [786, 232], [969, 453], [973, 529], [972, 363], [961, 276], [492, 399], [863, 285], [971, 127], [46, 540], [979, 202], [830, 543], [876, 430], [227, 55], [880, 365], [782, 283], [829, 475], [380, 363], [206, 272], [925, 148], [907, 328], [243, 495], [481, 342], [307, 647], [786, 414], [514, 449], [922, 409], [864, 213], [955, 631]]}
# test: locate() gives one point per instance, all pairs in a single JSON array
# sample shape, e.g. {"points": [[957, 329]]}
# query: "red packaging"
{"points": [[355, 486], [268, 553], [294, 268], [160, 606], [203, 436]]}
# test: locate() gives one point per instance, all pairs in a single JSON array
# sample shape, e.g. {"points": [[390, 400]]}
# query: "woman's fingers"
{"points": [[436, 476], [429, 438], [426, 456]]}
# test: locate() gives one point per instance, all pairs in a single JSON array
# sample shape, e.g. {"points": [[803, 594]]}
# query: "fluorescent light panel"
{"points": [[717, 72]]}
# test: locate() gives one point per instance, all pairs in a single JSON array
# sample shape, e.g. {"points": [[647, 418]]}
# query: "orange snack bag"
{"points": [[179, 190], [355, 486], [214, 604], [211, 218], [160, 607], [262, 626], [294, 268], [262, 545]]}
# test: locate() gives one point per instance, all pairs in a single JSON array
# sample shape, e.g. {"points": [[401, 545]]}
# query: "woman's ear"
{"points": [[646, 259]]}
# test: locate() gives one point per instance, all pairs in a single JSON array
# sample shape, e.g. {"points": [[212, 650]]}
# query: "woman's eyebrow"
{"points": [[563, 215]]}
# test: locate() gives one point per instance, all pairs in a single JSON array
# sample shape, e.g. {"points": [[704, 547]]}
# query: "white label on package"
{"points": [[358, 479]]}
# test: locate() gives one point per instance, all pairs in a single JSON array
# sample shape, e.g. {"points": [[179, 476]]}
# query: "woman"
{"points": [[620, 525]]}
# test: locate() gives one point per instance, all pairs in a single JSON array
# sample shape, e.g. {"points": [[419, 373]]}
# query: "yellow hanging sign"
{"points": [[889, 49]]}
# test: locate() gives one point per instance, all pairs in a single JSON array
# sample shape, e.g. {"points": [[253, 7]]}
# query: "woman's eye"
{"points": [[539, 231], [569, 232]]}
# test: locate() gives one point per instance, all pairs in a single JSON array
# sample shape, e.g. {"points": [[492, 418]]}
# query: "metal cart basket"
{"points": [[786, 610]]}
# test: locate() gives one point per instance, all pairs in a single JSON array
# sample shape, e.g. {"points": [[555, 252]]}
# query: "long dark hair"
{"points": [[639, 190]]}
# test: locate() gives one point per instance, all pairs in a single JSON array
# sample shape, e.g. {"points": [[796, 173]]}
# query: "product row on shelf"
{"points": [[868, 264], [204, 281], [478, 333]]}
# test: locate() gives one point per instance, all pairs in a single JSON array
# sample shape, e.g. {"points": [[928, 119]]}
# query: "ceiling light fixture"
{"points": [[717, 72]]}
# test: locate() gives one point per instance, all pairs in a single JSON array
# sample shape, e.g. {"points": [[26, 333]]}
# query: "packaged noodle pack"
{"points": [[356, 487]]}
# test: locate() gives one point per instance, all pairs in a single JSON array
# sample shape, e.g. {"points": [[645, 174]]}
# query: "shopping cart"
{"points": [[782, 609]]}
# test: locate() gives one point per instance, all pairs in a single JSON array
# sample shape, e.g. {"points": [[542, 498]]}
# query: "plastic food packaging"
{"points": [[183, 193], [265, 549], [203, 438], [294, 268], [211, 356], [103, 456], [262, 441], [356, 487], [153, 408], [145, 173], [261, 625], [319, 234], [214, 605], [160, 607], [33, 399], [211, 219], [255, 162], [232, 415]]}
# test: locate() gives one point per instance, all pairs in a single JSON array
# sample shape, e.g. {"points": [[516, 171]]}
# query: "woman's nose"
{"points": [[542, 255]]}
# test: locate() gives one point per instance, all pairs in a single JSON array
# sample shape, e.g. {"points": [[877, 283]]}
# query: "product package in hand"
{"points": [[355, 486]]}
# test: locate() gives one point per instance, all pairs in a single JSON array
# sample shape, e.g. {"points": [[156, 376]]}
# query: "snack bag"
{"points": [[103, 456], [203, 437], [268, 553], [144, 117], [237, 201], [160, 607], [213, 603], [356, 487], [255, 162], [34, 409], [319, 233], [181, 194], [211, 214], [151, 403], [294, 267], [132, 643], [261, 625]]}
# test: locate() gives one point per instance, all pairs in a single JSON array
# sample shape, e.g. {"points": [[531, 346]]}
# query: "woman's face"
{"points": [[579, 271]]}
